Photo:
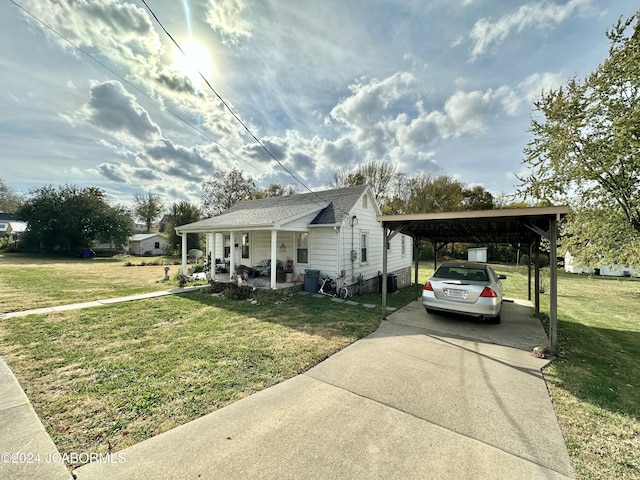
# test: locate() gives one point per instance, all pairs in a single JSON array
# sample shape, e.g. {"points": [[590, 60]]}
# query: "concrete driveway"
{"points": [[425, 396]]}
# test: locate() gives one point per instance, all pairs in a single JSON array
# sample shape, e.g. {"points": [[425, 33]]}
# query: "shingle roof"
{"points": [[332, 206]]}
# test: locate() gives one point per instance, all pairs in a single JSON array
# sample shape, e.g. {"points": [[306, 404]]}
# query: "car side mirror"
{"points": [[502, 277]]}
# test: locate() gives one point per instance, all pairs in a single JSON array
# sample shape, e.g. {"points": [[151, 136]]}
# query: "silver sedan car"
{"points": [[468, 288]]}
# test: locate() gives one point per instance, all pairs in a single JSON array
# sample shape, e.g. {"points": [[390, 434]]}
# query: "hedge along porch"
{"points": [[331, 231]]}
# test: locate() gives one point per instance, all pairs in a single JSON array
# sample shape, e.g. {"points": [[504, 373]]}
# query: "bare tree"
{"points": [[148, 208]]}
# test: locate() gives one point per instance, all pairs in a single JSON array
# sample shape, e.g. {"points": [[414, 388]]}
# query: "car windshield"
{"points": [[462, 273]]}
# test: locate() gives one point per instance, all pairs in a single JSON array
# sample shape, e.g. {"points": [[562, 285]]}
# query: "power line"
{"points": [[164, 107]]}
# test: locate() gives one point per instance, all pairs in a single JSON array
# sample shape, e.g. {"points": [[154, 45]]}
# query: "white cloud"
{"points": [[120, 31], [486, 34], [226, 17], [532, 86]]}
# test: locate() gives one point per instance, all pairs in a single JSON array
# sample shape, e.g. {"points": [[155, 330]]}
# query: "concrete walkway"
{"points": [[99, 303], [425, 396]]}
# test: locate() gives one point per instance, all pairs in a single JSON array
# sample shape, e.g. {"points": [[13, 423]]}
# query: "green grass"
{"points": [[29, 281]]}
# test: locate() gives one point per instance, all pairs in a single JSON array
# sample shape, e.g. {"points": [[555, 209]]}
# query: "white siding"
{"points": [[323, 251]]}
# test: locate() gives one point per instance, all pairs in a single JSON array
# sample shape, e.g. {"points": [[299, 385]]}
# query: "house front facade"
{"points": [[332, 233]]}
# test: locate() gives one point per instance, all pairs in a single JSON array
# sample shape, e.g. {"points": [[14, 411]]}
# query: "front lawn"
{"points": [[109, 377], [35, 281]]}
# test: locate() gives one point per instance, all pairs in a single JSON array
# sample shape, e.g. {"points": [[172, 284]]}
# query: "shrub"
{"points": [[198, 268], [234, 292], [181, 278]]}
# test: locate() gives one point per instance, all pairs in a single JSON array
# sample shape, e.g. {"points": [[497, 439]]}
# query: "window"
{"points": [[245, 245], [156, 245], [302, 248], [364, 202], [403, 245], [364, 239]]}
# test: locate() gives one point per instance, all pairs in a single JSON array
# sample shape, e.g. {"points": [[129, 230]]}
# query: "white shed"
{"points": [[147, 244], [478, 254]]}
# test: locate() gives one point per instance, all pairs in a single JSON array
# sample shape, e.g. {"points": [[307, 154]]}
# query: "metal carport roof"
{"points": [[513, 225]]}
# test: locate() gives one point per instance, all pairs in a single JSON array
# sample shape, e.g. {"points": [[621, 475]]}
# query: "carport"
{"points": [[524, 226]]}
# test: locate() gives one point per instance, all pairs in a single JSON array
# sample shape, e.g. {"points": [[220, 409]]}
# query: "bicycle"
{"points": [[343, 291]]}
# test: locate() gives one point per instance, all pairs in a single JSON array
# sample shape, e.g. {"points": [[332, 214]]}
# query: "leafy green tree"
{"points": [[477, 198], [70, 218], [9, 200], [224, 190], [586, 151], [148, 208], [427, 194], [183, 213]]}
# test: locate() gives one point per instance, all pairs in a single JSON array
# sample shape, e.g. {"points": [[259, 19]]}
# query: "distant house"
{"points": [[147, 244], [164, 222], [11, 228], [571, 265], [329, 232]]}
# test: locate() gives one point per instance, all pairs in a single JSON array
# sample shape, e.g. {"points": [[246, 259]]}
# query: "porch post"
{"points": [[183, 236], [232, 256], [212, 246], [274, 260]]}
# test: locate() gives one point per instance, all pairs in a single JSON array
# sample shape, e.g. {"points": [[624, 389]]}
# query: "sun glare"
{"points": [[195, 59]]}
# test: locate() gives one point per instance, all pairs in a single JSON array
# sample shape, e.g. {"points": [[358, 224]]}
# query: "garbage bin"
{"points": [[392, 282], [311, 280]]}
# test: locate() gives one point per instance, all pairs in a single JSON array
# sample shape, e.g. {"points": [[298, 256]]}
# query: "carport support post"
{"points": [[416, 256], [384, 272], [553, 287], [529, 270], [536, 265]]}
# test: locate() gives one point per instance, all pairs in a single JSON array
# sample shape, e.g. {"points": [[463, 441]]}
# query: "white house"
{"points": [[571, 265], [330, 232], [11, 228], [147, 244]]}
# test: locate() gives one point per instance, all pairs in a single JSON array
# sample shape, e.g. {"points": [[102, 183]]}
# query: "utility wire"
{"points": [[164, 107]]}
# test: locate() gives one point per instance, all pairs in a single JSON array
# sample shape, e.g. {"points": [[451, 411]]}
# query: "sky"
{"points": [[96, 94]]}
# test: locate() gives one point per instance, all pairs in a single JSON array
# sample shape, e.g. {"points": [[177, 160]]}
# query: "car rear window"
{"points": [[462, 273]]}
